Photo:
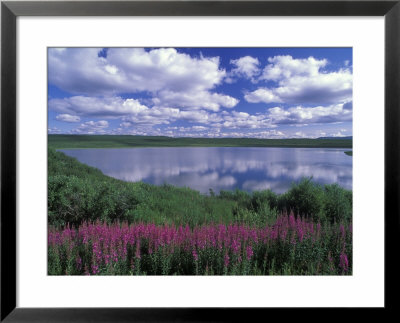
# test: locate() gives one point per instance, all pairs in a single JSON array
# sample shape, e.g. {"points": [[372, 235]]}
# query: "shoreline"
{"points": [[138, 201], [166, 147], [112, 142]]}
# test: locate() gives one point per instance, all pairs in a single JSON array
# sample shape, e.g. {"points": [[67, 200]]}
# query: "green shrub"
{"points": [[337, 203], [78, 193], [306, 199], [265, 204], [260, 198], [73, 200]]}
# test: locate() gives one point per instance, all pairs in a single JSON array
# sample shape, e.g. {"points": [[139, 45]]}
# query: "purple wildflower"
{"points": [[195, 255], [226, 260], [249, 252], [344, 262]]}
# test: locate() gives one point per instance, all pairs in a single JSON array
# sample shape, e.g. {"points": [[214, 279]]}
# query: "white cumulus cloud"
{"points": [[262, 95], [92, 127], [68, 118], [170, 78], [301, 81], [195, 100], [306, 115], [127, 70], [110, 107], [247, 67]]}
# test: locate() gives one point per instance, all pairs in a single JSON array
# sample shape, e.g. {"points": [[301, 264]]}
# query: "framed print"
{"points": [[190, 156]]}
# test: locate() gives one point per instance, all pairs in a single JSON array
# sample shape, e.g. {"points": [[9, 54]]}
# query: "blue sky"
{"points": [[201, 92]]}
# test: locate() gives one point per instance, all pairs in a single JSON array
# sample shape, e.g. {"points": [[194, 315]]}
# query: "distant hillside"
{"points": [[336, 138], [110, 141]]}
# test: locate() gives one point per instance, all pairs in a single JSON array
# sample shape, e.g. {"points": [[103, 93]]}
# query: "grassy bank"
{"points": [[349, 153], [108, 141], [78, 193]]}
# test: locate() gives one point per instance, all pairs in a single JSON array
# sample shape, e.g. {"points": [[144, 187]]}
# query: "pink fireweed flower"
{"points": [[235, 246], [107, 259], [226, 260], [115, 256], [344, 262], [195, 255], [342, 231], [300, 233], [274, 232], [97, 251], [108, 244], [283, 232], [249, 252], [292, 221], [95, 269]]}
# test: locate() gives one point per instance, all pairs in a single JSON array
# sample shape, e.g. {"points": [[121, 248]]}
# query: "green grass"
{"points": [[110, 141], [349, 153]]}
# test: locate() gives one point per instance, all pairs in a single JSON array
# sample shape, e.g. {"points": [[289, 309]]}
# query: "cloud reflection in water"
{"points": [[221, 168]]}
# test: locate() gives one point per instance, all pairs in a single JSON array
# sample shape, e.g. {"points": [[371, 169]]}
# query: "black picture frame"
{"points": [[10, 10]]}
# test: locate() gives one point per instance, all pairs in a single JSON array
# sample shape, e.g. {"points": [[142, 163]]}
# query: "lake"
{"points": [[221, 168]]}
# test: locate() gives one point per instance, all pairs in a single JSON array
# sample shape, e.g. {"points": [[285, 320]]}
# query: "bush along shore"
{"points": [[101, 225]]}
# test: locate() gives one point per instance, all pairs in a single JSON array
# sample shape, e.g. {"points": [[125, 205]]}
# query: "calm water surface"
{"points": [[221, 168]]}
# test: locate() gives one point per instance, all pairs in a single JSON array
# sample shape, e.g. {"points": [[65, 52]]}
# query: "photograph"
{"points": [[200, 161], [190, 161]]}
